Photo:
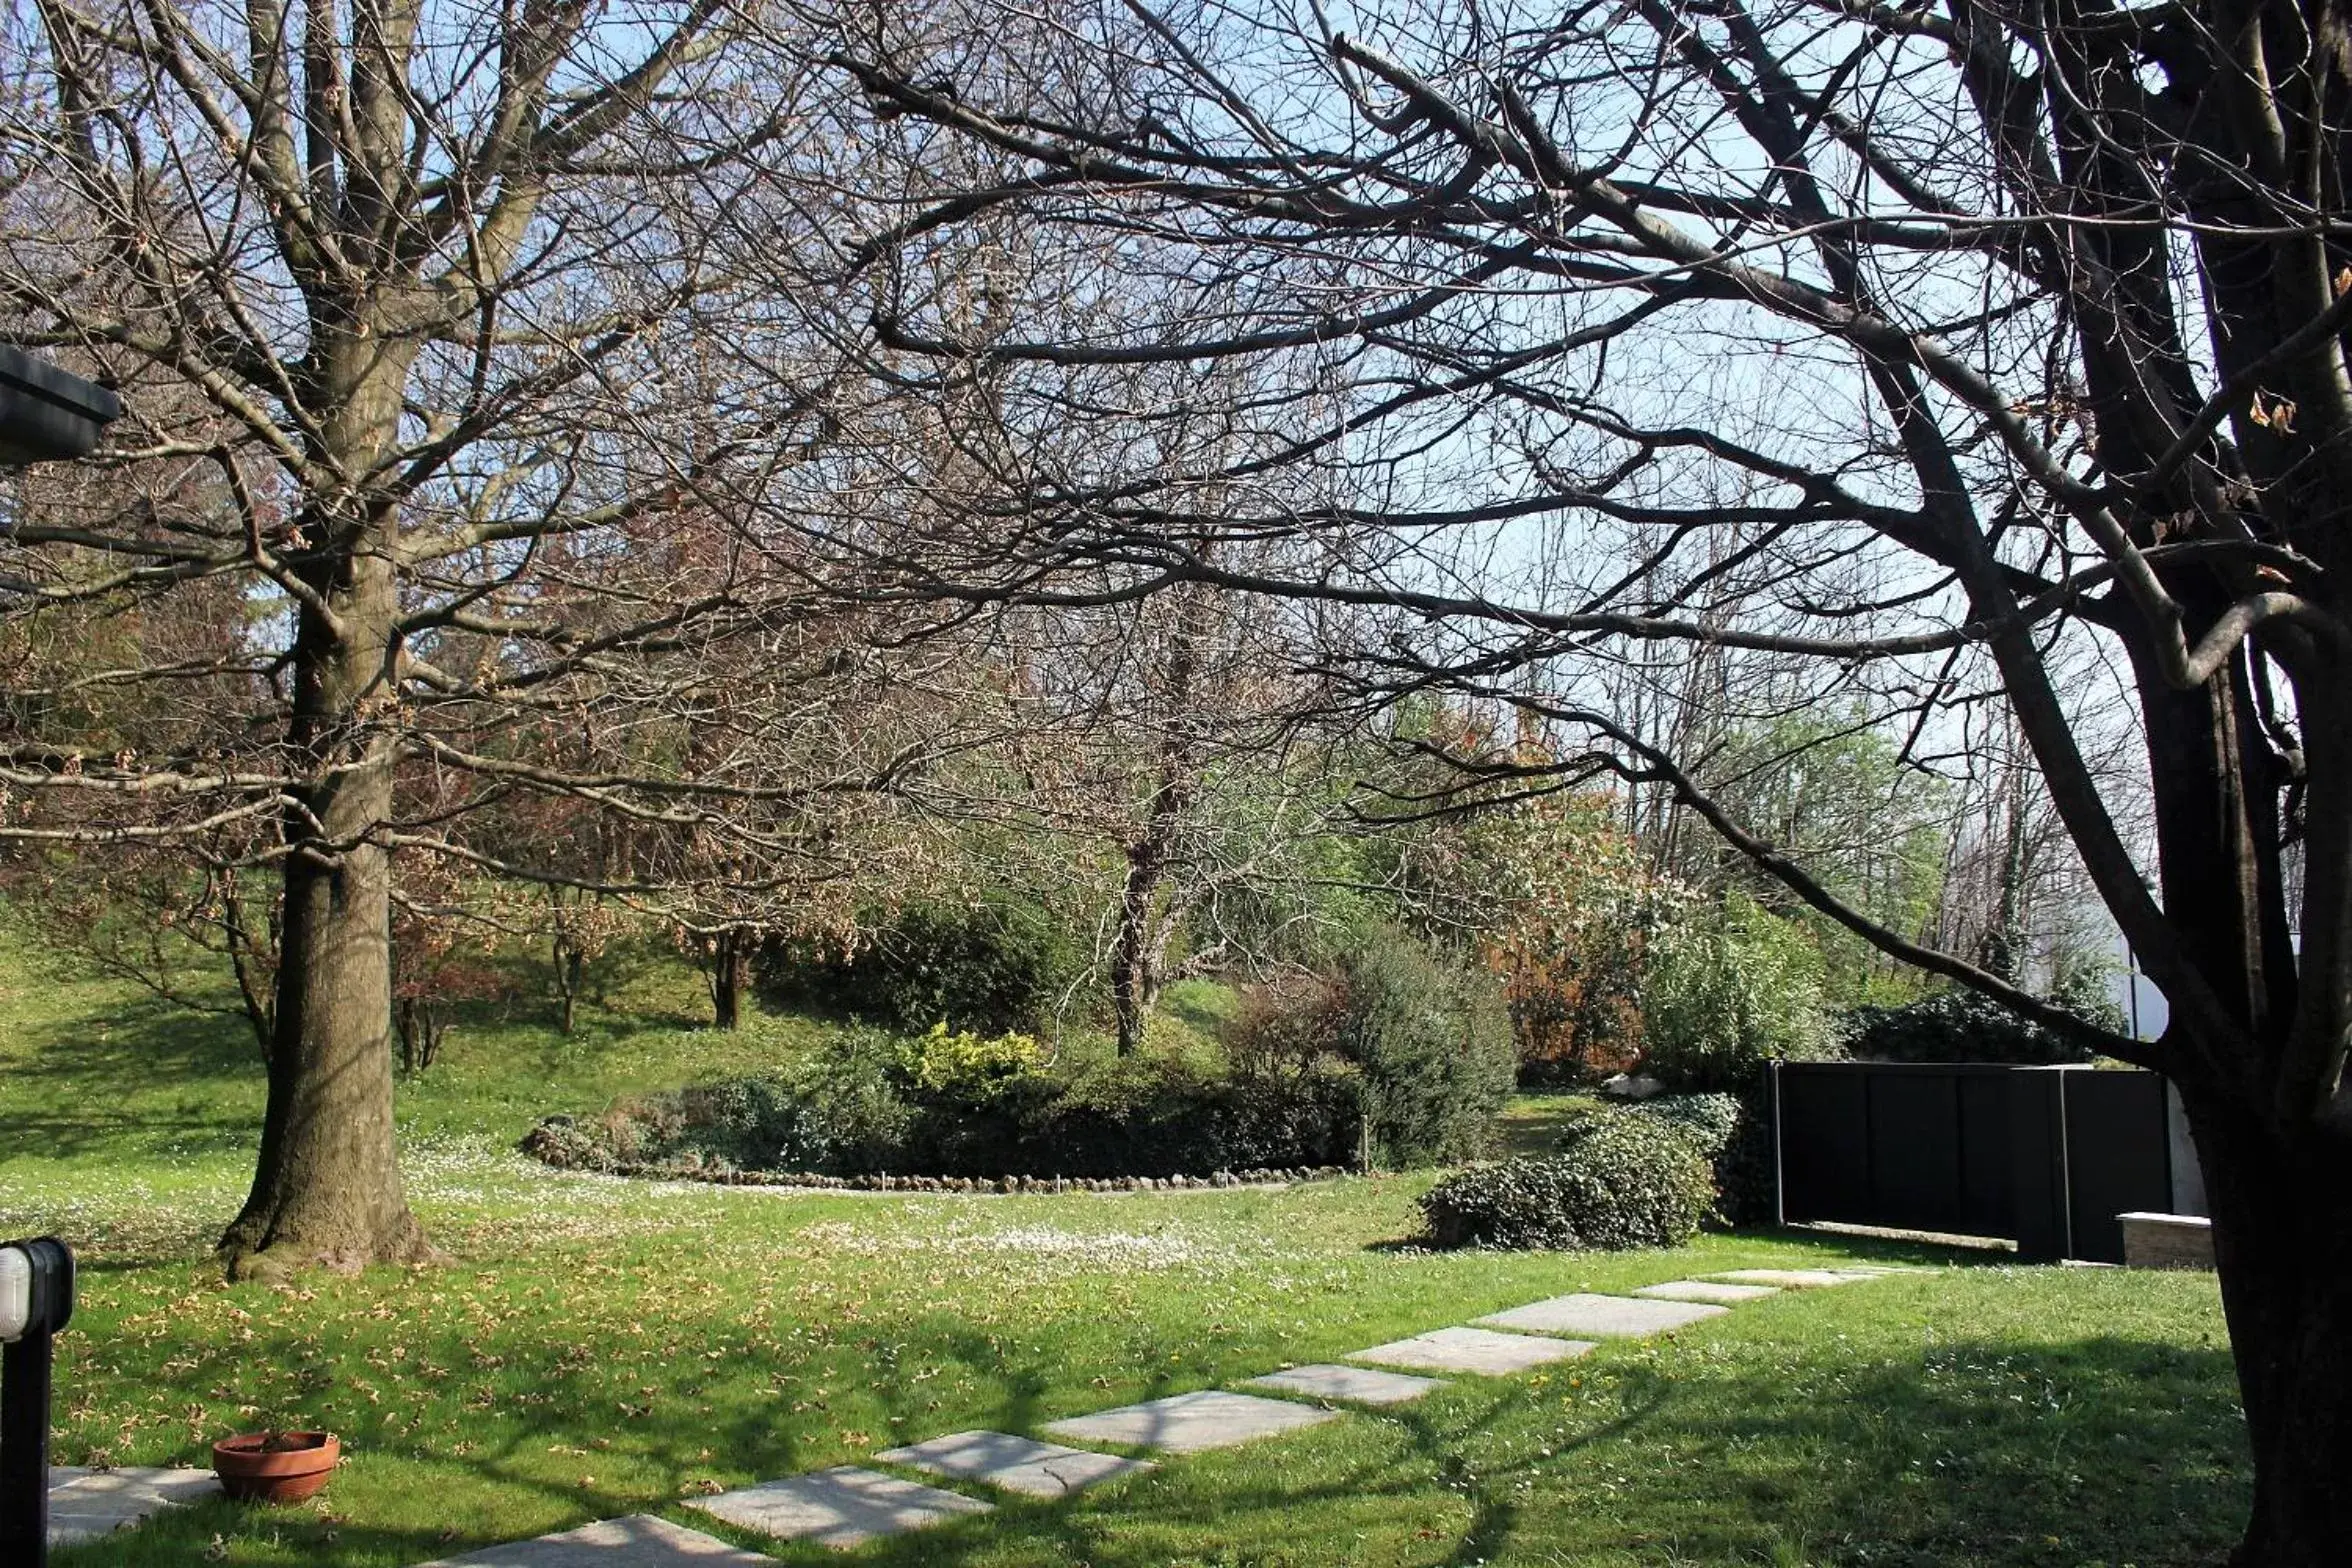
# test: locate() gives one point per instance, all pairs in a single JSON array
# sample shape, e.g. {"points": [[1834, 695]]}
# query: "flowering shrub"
{"points": [[963, 1065], [1576, 908]]}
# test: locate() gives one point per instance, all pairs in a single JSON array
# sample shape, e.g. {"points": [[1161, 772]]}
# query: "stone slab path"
{"points": [[85, 1504], [1710, 1290], [1603, 1317], [1798, 1279], [1189, 1423], [1474, 1350], [1016, 1464], [843, 1506], [639, 1541], [846, 1506], [1352, 1385]]}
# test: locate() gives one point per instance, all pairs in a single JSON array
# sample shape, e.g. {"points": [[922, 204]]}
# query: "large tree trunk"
{"points": [[327, 1187], [2283, 1239]]}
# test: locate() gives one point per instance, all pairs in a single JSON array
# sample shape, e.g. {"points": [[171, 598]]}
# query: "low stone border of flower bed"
{"points": [[812, 1182]]}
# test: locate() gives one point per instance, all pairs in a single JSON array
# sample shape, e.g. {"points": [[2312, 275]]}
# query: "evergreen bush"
{"points": [[1621, 1181], [1724, 996], [1434, 1045], [1003, 962], [1956, 1025]]}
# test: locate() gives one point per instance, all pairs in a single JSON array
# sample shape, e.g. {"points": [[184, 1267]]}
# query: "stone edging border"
{"points": [[810, 1181]]}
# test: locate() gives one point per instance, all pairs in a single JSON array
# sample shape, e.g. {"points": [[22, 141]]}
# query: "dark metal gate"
{"points": [[2047, 1156]]}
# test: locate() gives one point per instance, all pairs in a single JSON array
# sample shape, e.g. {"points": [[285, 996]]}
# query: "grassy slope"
{"points": [[600, 1347]]}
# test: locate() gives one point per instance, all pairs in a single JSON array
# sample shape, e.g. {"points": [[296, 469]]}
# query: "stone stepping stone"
{"points": [[843, 1506], [1795, 1279], [86, 1504], [1355, 1385], [639, 1541], [1710, 1290], [1188, 1423], [1605, 1317], [1474, 1350], [1018, 1464]]}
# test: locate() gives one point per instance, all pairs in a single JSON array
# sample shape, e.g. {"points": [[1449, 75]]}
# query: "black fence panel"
{"points": [[1915, 1147], [2117, 1160], [2046, 1156], [1988, 1200], [1824, 1131]]}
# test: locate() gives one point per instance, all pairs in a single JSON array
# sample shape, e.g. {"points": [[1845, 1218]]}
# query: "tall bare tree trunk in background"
{"points": [[1138, 953]]}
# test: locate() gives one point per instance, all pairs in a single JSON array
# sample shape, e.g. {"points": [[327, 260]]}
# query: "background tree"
{"points": [[415, 307]]}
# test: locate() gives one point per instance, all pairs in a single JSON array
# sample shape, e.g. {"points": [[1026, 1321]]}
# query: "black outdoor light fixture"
{"points": [[46, 413], [36, 1300]]}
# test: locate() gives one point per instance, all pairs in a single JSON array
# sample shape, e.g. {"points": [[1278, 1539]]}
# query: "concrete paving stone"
{"points": [[1188, 1423], [1715, 1291], [84, 1504], [1474, 1350], [1603, 1317], [1356, 1385], [843, 1506], [639, 1541], [1017, 1464], [1794, 1279]]}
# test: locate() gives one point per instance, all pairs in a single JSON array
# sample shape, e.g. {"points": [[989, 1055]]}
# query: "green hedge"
{"points": [[872, 1105], [1957, 1025]]}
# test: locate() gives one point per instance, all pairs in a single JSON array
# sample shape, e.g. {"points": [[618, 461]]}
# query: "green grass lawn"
{"points": [[599, 1347]]}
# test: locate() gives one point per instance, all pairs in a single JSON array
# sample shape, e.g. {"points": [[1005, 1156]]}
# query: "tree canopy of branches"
{"points": [[2000, 352], [433, 340]]}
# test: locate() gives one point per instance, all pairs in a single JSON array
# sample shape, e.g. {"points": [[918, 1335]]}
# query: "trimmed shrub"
{"points": [[1732, 1133], [1957, 1025], [1152, 1117], [1001, 963], [1620, 1182], [1435, 1048], [1709, 1121]]}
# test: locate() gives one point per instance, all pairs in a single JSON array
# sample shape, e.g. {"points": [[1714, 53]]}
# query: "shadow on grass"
{"points": [[1937, 1452], [2103, 1450], [141, 1075]]}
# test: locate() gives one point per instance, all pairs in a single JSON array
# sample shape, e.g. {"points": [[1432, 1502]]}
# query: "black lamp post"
{"points": [[46, 414], [36, 1300]]}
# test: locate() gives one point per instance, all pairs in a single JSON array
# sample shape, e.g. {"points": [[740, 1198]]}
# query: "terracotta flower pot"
{"points": [[275, 1467]]}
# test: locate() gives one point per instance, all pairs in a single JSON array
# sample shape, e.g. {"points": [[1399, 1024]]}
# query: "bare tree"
{"points": [[2013, 340], [430, 335]]}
